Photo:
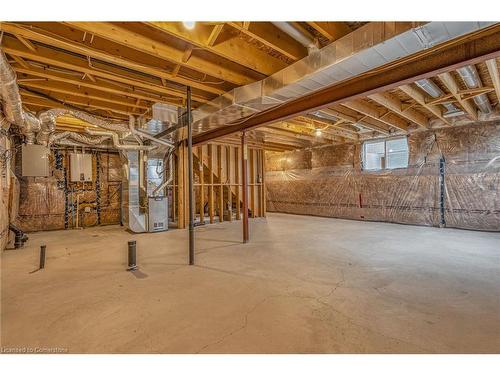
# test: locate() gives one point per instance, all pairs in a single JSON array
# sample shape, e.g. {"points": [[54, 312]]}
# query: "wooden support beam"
{"points": [[221, 186], [258, 181], [331, 30], [251, 179], [237, 166], [272, 37], [103, 87], [294, 134], [214, 34], [420, 98], [495, 76], [20, 61], [42, 36], [49, 87], [76, 101], [370, 110], [34, 99], [213, 39], [202, 184], [90, 76], [478, 46], [355, 118], [392, 103], [72, 63], [263, 182], [174, 189], [123, 36], [333, 128], [453, 88], [211, 183], [229, 182], [27, 43], [187, 54]]}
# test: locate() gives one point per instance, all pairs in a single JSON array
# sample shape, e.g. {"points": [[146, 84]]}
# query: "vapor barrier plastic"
{"points": [[42, 199], [329, 181]]}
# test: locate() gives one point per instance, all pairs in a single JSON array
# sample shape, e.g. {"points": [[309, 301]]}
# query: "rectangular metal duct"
{"points": [[367, 48], [133, 193]]}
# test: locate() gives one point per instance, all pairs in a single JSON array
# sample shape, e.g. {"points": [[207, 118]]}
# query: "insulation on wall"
{"points": [[329, 181], [5, 189], [43, 199]]}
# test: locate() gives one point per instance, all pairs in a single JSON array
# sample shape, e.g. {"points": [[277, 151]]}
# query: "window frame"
{"points": [[384, 160]]}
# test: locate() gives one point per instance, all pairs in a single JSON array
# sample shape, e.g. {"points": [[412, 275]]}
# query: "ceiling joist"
{"points": [[123, 36]]}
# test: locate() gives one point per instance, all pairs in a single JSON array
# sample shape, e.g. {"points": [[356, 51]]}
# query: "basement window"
{"points": [[385, 154]]}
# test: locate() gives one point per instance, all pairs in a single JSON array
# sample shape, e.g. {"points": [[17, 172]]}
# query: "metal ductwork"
{"points": [[77, 137], [170, 160], [138, 133], [298, 35], [116, 141], [12, 104], [369, 47], [37, 130], [434, 91], [4, 123], [48, 122], [133, 192], [471, 78], [47, 127]]}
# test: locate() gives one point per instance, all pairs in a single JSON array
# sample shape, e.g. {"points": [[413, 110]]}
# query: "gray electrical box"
{"points": [[35, 160], [80, 167], [158, 214]]}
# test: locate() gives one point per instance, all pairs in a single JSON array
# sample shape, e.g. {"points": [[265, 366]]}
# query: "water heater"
{"points": [[80, 167]]}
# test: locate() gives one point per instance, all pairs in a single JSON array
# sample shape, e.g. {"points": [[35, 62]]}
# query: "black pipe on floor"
{"points": [[42, 257], [20, 237], [132, 256]]}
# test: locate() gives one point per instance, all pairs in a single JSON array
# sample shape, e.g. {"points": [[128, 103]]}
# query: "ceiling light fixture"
{"points": [[189, 24], [317, 132]]}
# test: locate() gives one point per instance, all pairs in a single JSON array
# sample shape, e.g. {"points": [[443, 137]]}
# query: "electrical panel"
{"points": [[80, 167], [35, 160]]}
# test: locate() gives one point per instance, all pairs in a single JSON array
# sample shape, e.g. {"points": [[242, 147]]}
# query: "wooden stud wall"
{"points": [[217, 184]]}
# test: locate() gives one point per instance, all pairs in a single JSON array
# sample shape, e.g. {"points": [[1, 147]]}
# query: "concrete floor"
{"points": [[302, 285]]}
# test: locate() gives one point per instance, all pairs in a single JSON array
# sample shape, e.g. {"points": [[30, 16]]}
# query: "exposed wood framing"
{"points": [[84, 50], [229, 169], [211, 184], [420, 98], [201, 172], [272, 37], [392, 103], [495, 76], [237, 180], [121, 35], [453, 88], [331, 30], [477, 47], [372, 111], [234, 49]]}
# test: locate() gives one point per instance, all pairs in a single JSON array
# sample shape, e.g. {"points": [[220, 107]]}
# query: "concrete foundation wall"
{"points": [[328, 181]]}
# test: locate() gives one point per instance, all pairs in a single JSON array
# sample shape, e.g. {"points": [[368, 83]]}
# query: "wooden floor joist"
{"points": [[476, 47]]}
